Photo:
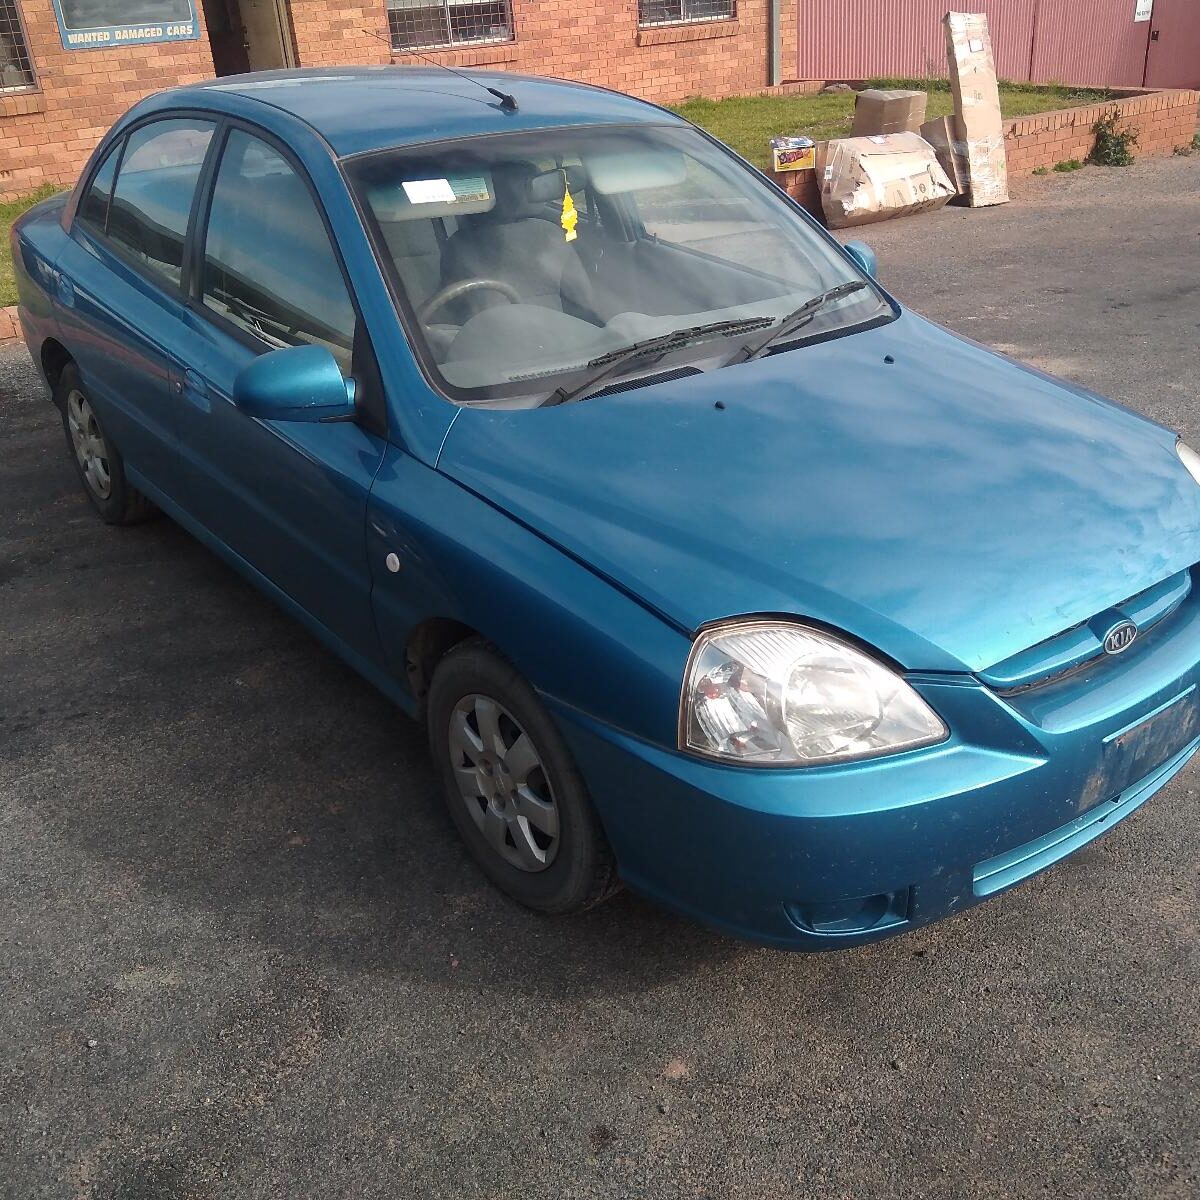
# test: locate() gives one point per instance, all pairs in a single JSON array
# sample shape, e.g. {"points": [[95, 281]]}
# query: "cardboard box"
{"points": [[888, 110], [793, 154], [874, 178], [951, 153], [978, 123]]}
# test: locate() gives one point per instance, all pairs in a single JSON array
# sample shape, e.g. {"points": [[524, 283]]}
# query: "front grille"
{"points": [[1082, 644]]}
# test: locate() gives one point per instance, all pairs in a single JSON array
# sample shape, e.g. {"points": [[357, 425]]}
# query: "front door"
{"points": [[288, 498], [1173, 60], [248, 35], [268, 42]]}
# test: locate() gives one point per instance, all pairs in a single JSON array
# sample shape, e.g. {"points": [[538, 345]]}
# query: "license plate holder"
{"points": [[1132, 753]]}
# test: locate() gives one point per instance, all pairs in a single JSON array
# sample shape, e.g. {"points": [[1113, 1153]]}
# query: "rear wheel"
{"points": [[511, 786], [97, 460]]}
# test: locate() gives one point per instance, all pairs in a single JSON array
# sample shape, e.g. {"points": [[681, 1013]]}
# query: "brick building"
{"points": [[69, 68]]}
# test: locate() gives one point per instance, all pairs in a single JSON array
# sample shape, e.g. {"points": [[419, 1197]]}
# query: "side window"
{"points": [[269, 266], [148, 214], [93, 208]]}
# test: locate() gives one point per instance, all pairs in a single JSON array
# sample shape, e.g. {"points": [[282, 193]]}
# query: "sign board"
{"points": [[1143, 10], [105, 24]]}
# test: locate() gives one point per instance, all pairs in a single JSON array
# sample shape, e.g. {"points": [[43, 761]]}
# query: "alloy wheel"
{"points": [[503, 783], [91, 450]]}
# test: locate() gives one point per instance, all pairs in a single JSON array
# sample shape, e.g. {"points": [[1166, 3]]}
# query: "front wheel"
{"points": [[97, 461], [513, 791]]}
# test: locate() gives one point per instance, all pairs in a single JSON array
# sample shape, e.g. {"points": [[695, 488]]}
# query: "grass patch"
{"points": [[747, 123], [10, 210], [1069, 164]]}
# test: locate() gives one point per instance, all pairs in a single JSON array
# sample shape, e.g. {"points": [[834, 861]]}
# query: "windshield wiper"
{"points": [[601, 367], [793, 321]]}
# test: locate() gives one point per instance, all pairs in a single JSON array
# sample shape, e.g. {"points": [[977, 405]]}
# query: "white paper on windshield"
{"points": [[429, 191]]}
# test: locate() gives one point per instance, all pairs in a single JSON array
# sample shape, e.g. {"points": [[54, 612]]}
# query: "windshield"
{"points": [[519, 259]]}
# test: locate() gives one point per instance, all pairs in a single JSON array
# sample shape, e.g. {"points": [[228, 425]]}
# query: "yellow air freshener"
{"points": [[570, 218]]}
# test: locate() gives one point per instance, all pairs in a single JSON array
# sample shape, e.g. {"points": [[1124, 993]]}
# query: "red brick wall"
{"points": [[327, 34], [46, 135], [600, 42], [1163, 120]]}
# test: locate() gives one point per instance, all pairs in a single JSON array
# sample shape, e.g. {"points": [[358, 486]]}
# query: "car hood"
{"points": [[936, 500]]}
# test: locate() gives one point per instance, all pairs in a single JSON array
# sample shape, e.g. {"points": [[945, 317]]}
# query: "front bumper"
{"points": [[830, 857]]}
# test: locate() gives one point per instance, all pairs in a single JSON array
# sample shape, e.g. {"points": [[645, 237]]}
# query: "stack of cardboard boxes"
{"points": [[897, 162], [886, 169]]}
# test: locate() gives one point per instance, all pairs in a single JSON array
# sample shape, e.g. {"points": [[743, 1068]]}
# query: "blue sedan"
{"points": [[708, 566]]}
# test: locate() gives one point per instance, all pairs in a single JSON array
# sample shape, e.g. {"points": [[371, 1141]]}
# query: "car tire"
{"points": [[523, 810], [97, 461]]}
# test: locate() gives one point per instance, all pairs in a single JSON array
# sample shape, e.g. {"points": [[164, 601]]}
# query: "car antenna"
{"points": [[508, 102]]}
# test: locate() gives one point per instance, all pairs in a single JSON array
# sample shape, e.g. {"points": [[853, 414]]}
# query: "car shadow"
{"points": [[238, 768], [182, 738]]}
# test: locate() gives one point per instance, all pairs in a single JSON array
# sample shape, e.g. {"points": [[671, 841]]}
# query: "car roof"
{"points": [[359, 109]]}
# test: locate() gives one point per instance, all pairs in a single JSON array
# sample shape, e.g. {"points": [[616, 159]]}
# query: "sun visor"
{"points": [[636, 170], [433, 196]]}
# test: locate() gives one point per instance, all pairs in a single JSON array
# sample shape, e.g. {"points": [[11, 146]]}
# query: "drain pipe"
{"points": [[775, 46]]}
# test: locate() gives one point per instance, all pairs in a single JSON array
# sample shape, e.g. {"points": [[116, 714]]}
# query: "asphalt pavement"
{"points": [[243, 955]]}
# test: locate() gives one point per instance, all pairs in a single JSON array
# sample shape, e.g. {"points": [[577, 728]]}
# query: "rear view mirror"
{"points": [[300, 383], [864, 256]]}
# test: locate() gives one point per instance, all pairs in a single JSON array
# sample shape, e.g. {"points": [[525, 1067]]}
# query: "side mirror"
{"points": [[863, 255], [301, 383]]}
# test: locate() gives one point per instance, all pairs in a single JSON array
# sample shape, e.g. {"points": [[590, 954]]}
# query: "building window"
{"points": [[16, 68], [673, 12], [420, 24]]}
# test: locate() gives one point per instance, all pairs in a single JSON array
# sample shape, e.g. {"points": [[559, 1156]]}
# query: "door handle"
{"points": [[194, 382], [193, 387]]}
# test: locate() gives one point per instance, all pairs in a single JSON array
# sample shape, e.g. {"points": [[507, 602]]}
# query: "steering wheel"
{"points": [[452, 291]]}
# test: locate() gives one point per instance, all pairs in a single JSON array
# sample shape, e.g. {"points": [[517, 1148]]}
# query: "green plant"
{"points": [[1191, 147], [1070, 164], [1041, 170], [1114, 146]]}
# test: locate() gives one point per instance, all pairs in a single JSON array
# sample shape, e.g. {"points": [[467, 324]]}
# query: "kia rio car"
{"points": [[709, 566]]}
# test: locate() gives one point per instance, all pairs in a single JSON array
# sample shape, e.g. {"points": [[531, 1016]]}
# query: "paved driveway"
{"points": [[242, 955]]}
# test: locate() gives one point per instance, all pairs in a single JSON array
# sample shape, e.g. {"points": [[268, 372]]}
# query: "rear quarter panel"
{"points": [[37, 239]]}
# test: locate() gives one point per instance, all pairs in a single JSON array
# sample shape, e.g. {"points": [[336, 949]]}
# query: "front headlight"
{"points": [[1189, 458], [788, 695]]}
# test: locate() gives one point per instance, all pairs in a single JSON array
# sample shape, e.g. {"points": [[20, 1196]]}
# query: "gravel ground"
{"points": [[242, 954]]}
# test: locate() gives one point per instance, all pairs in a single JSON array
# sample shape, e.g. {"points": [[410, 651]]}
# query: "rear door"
{"points": [[288, 498], [120, 286]]}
